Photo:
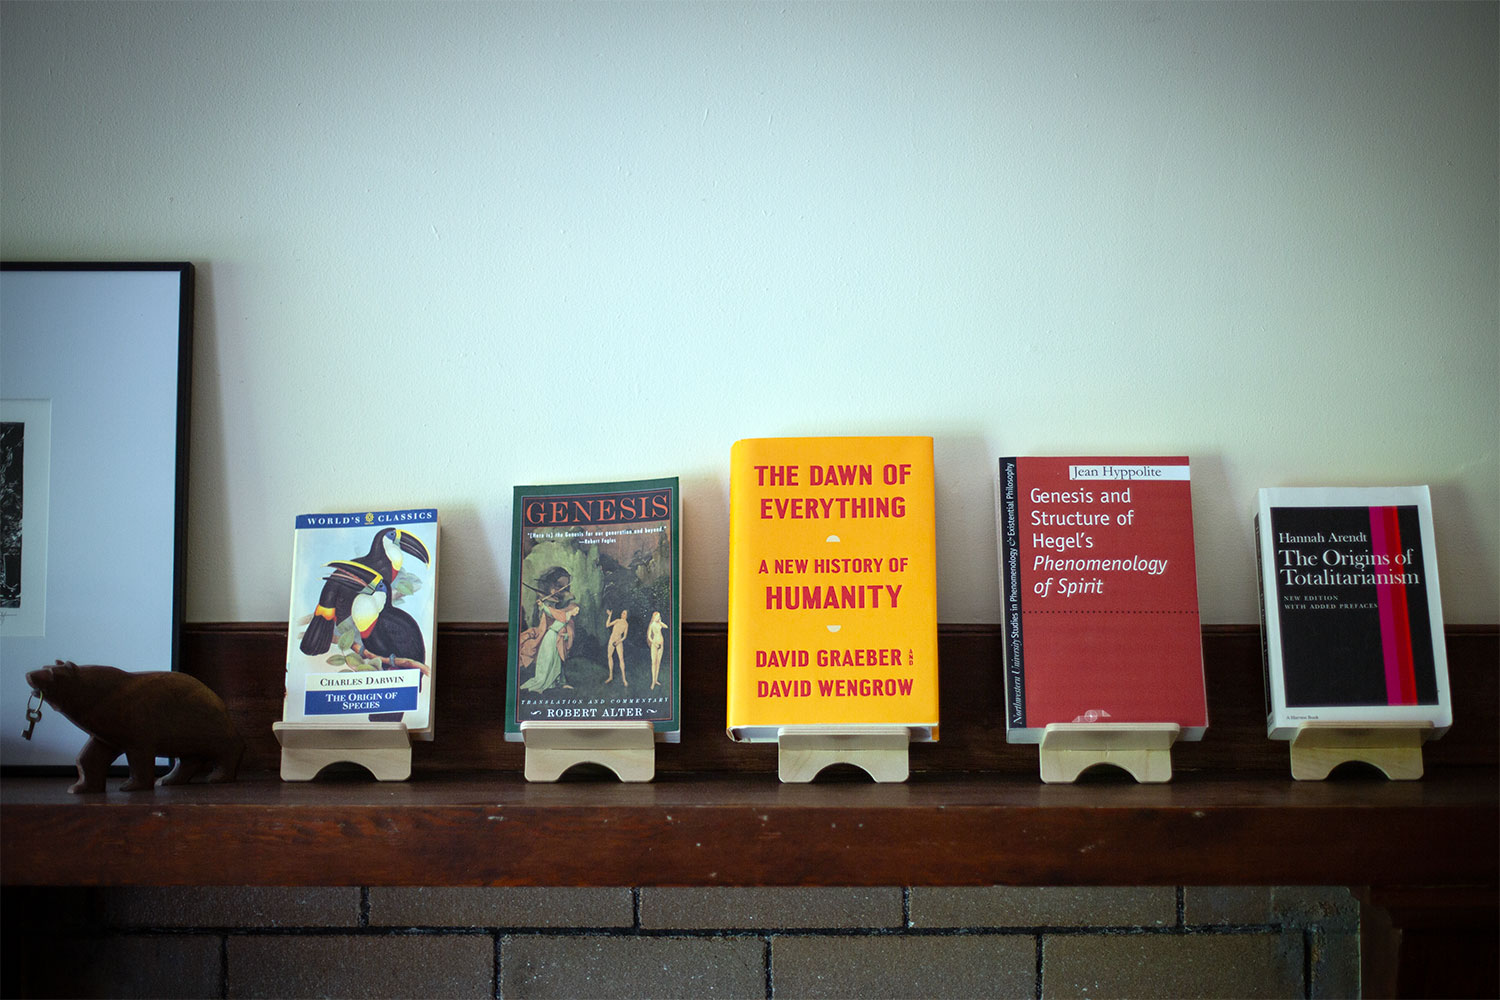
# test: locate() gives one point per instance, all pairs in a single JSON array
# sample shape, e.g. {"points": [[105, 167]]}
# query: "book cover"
{"points": [[595, 630], [1351, 617], [832, 585], [362, 636], [1099, 592]]}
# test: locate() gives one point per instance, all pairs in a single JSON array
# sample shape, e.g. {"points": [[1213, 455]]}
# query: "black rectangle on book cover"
{"points": [[1351, 589]]}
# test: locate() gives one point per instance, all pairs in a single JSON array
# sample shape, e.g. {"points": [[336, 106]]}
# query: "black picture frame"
{"points": [[109, 345]]}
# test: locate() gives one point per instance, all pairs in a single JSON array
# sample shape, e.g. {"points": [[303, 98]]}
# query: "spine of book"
{"points": [[1008, 530], [1267, 652]]}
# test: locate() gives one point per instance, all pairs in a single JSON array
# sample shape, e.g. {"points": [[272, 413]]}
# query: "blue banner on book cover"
{"points": [[351, 693]]}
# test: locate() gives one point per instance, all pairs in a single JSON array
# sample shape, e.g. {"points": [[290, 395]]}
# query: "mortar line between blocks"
{"points": [[1040, 956], [543, 930], [1307, 963], [499, 966]]}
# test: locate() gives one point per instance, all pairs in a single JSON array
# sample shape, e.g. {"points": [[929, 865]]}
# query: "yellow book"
{"points": [[832, 585]]}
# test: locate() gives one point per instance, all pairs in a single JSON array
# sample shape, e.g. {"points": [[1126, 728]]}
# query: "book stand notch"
{"points": [[626, 748], [882, 752], [1395, 748], [1144, 750], [382, 748]]}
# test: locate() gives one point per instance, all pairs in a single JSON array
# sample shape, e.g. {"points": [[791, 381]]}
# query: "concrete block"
{"points": [[1011, 906], [725, 908]]}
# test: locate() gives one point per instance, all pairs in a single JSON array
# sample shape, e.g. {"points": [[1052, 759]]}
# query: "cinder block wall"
{"points": [[661, 942]]}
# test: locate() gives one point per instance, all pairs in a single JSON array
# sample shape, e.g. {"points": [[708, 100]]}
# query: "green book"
{"points": [[595, 627]]}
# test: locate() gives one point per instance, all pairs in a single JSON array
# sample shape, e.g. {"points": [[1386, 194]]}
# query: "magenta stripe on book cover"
{"points": [[1405, 669], [1395, 629]]}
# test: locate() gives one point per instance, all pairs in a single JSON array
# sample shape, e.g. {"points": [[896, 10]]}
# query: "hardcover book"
{"points": [[595, 633], [1351, 619], [1099, 590], [832, 585], [361, 641]]}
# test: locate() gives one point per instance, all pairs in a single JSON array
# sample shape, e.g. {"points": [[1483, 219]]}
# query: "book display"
{"points": [[1102, 646], [1352, 625], [974, 816], [832, 646], [593, 666], [361, 643]]}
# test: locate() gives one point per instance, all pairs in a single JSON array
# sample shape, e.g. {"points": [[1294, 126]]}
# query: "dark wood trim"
{"points": [[244, 662], [975, 829], [1424, 941]]}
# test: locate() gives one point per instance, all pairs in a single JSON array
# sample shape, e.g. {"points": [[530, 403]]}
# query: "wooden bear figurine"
{"points": [[143, 716]]}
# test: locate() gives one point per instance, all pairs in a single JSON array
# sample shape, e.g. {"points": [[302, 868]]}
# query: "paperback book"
{"points": [[1351, 617], [595, 630], [1099, 589], [832, 585], [361, 645]]}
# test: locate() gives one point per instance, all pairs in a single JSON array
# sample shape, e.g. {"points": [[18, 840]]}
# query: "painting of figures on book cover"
{"points": [[361, 642], [1353, 620], [594, 631]]}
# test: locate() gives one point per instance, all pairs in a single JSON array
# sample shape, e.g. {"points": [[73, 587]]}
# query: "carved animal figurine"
{"points": [[143, 716]]}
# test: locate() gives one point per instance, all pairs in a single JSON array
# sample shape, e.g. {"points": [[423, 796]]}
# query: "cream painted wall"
{"points": [[448, 248]]}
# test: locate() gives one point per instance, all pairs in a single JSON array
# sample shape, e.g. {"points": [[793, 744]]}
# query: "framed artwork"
{"points": [[25, 450], [95, 363]]}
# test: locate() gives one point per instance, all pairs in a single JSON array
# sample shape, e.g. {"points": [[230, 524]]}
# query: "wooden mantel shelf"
{"points": [[496, 829], [973, 813]]}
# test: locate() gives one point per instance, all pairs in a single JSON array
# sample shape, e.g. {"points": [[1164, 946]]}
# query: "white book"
{"points": [[1351, 615], [362, 633]]}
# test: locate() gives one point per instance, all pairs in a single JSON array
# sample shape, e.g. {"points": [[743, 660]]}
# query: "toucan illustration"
{"points": [[396, 634], [352, 579], [352, 592], [369, 606]]}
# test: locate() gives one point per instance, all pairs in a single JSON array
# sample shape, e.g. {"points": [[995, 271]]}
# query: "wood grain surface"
{"points": [[992, 829]]}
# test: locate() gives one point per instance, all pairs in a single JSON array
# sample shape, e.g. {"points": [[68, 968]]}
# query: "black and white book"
{"points": [[1351, 616]]}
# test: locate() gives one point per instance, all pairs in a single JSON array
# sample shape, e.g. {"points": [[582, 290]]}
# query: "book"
{"points": [[595, 631], [1099, 594], [361, 645], [1351, 615], [832, 585]]}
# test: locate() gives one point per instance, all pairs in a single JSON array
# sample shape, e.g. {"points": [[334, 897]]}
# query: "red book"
{"points": [[1100, 594]]}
